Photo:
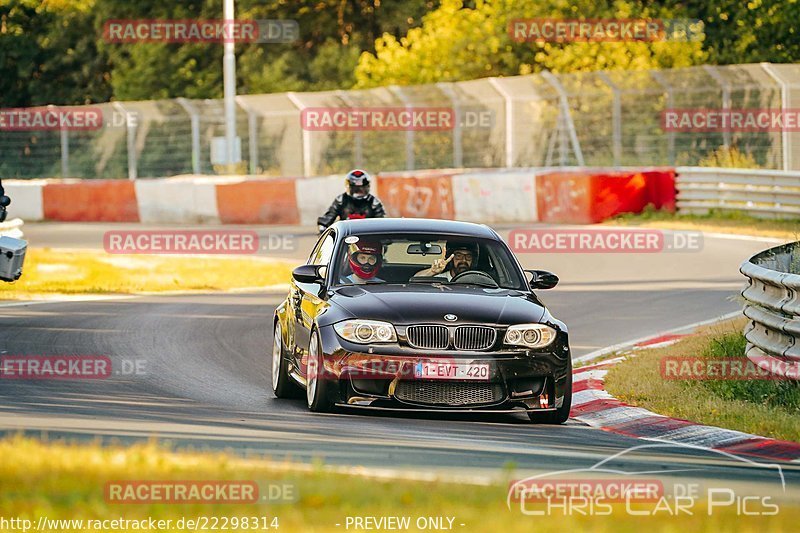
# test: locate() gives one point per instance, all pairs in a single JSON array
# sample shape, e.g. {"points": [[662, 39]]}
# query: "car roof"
{"points": [[414, 225]]}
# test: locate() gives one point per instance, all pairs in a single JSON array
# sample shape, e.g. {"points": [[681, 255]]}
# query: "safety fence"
{"points": [[772, 303], [594, 119], [758, 192]]}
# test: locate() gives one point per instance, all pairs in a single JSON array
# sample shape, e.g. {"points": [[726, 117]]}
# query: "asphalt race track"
{"points": [[206, 370]]}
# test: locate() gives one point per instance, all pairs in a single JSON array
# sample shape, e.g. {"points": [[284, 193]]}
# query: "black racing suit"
{"points": [[345, 207]]}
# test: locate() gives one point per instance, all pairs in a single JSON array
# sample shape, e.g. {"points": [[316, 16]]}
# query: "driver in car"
{"points": [[365, 260], [458, 257]]}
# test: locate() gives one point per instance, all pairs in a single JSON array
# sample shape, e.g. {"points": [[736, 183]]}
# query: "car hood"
{"points": [[419, 303]]}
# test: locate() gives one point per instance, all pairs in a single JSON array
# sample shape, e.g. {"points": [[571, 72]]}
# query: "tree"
{"points": [[458, 43], [747, 31], [49, 54]]}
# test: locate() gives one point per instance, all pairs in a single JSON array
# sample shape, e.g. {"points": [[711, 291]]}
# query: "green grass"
{"points": [[733, 222], [763, 407], [49, 271], [66, 481], [780, 395]]}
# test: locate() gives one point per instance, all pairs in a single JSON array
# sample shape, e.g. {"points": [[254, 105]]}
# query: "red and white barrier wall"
{"points": [[572, 196]]}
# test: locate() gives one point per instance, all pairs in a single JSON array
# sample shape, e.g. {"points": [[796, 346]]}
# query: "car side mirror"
{"points": [[542, 279], [309, 273]]}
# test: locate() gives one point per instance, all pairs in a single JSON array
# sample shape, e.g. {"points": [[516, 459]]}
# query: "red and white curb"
{"points": [[594, 406]]}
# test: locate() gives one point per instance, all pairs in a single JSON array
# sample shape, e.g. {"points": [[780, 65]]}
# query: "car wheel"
{"points": [[282, 385], [316, 383], [560, 415]]}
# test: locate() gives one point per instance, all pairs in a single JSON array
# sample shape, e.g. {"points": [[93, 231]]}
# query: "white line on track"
{"points": [[628, 344]]}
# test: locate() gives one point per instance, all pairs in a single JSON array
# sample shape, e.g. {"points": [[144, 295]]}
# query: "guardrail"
{"points": [[12, 228], [772, 303], [761, 193]]}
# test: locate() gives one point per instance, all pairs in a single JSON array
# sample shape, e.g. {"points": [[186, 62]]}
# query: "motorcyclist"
{"points": [[365, 260], [458, 257], [5, 201], [355, 202]]}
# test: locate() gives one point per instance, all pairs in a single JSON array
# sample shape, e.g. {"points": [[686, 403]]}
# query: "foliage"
{"points": [[457, 42], [49, 54], [728, 157], [52, 52]]}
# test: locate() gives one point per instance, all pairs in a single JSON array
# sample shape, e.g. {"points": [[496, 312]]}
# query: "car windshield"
{"points": [[428, 258]]}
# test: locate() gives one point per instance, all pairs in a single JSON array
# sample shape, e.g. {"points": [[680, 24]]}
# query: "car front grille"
{"points": [[428, 337], [473, 337], [434, 337], [448, 393]]}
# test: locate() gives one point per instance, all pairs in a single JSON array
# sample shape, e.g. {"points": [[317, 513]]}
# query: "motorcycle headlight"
{"points": [[530, 335], [366, 331]]}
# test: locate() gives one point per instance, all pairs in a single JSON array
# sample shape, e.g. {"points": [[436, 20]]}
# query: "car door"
{"points": [[308, 299]]}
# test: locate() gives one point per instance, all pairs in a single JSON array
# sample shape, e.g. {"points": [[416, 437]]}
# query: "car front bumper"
{"points": [[383, 377]]}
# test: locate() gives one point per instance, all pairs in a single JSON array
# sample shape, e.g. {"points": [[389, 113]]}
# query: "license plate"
{"points": [[463, 371]]}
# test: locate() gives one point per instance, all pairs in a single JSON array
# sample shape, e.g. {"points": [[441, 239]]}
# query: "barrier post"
{"points": [[616, 118], [410, 163], [252, 134], [458, 151], [566, 118], [668, 90], [509, 112], [784, 106], [358, 145], [195, 119], [64, 153], [305, 135], [131, 129], [726, 99]]}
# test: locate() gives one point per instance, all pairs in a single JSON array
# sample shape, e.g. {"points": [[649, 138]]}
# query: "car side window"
{"points": [[315, 253], [322, 255]]}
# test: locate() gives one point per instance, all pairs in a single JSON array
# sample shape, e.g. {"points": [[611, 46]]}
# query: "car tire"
{"points": [[317, 396], [560, 415], [282, 386]]}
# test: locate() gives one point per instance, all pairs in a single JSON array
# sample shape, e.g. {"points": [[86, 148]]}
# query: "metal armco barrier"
{"points": [[760, 193], [772, 303]]}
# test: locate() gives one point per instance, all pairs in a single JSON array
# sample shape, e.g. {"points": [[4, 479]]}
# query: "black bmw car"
{"points": [[417, 314]]}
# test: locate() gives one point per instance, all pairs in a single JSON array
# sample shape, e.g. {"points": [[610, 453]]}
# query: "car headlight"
{"points": [[366, 331], [530, 335]]}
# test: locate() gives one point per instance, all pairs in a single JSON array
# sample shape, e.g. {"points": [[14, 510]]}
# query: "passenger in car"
{"points": [[365, 259]]}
